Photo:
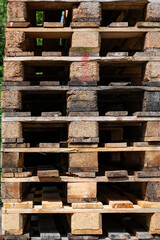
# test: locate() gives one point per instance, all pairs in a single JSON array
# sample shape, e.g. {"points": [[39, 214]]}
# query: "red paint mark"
{"points": [[85, 67]]}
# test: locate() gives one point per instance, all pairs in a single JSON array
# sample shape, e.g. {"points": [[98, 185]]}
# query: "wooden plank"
{"points": [[93, 205], [116, 113], [53, 24], [58, 54], [26, 203], [65, 119], [80, 179], [116, 173], [47, 173], [112, 145], [79, 150], [49, 145]]}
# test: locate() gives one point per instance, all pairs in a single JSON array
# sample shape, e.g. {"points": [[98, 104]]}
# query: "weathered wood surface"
{"points": [[65, 119], [80, 179]]}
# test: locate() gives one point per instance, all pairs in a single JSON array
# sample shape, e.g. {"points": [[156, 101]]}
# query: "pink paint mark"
{"points": [[85, 67]]}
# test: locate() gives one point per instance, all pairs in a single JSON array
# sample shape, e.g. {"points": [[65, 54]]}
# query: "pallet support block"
{"points": [[85, 43], [11, 192], [153, 12], [83, 162], [15, 41], [12, 161], [151, 101], [152, 40], [152, 159], [83, 131], [13, 71], [16, 11], [12, 224], [87, 12], [153, 223], [81, 192], [151, 131], [152, 72], [86, 223], [84, 71], [82, 101], [153, 191], [12, 130], [11, 100]]}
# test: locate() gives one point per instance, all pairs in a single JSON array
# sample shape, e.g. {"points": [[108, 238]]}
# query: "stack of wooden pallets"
{"points": [[81, 120]]}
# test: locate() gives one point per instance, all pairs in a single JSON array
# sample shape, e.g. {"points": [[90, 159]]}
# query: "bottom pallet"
{"points": [[80, 226]]}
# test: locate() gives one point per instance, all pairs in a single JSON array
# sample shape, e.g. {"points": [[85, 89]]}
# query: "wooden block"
{"points": [[116, 174], [17, 24], [82, 101], [118, 24], [146, 204], [49, 83], [151, 129], [79, 162], [7, 175], [87, 12], [83, 174], [48, 173], [151, 101], [83, 114], [49, 145], [53, 24], [13, 71], [12, 224], [83, 129], [11, 130], [82, 237], [11, 190], [153, 223], [120, 84], [116, 113], [148, 174], [153, 11], [84, 145], [16, 11], [152, 40], [152, 71], [15, 41], [86, 223], [23, 175], [94, 205], [152, 191], [117, 54], [84, 41], [84, 71], [11, 100], [58, 54], [152, 159], [81, 192], [115, 145], [84, 24], [83, 140], [146, 114]]}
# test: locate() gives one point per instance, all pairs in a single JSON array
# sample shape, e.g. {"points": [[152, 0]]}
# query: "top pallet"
{"points": [[99, 12]]}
